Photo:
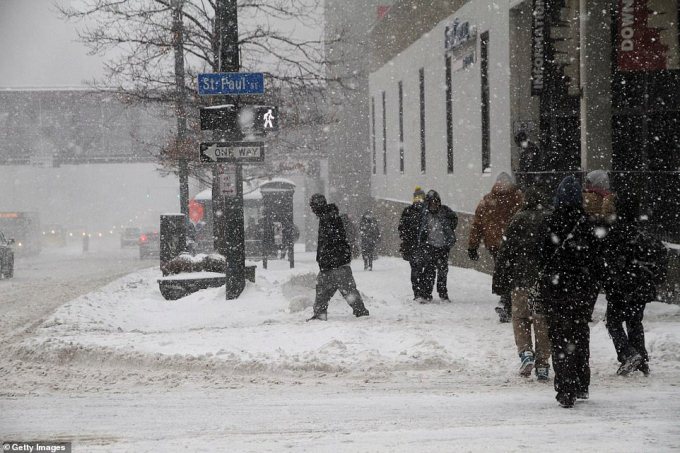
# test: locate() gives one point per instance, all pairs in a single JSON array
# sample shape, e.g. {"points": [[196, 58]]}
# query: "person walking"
{"points": [[598, 199], [635, 263], [369, 234], [570, 270], [492, 217], [290, 235], [409, 224], [436, 236], [517, 272], [351, 232], [333, 255], [599, 204]]}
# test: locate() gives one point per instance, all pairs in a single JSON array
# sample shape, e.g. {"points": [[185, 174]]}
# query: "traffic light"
{"points": [[249, 119]]}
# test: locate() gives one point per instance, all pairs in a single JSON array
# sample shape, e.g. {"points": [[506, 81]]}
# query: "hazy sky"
{"points": [[38, 49]]}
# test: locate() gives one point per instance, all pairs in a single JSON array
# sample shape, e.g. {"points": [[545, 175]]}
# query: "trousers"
{"points": [[338, 279]]}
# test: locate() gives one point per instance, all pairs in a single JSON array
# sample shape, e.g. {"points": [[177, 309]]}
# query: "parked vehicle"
{"points": [[24, 228], [149, 244], [6, 257], [130, 236]]}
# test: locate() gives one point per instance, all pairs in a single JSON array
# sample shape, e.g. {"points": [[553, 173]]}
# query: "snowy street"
{"points": [[62, 273], [121, 369]]}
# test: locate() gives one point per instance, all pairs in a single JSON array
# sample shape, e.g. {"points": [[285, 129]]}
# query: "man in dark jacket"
{"points": [[569, 277], [635, 262], [333, 255], [436, 236], [369, 234], [409, 223], [516, 273]]}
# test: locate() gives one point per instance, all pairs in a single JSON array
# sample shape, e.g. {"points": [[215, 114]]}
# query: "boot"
{"points": [[527, 363], [566, 400], [630, 364], [363, 311], [644, 368], [542, 373], [321, 316]]}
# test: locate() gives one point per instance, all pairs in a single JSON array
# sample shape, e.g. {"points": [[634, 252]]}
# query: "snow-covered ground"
{"points": [[123, 369]]}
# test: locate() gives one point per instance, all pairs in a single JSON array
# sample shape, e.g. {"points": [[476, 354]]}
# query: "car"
{"points": [[6, 257], [54, 235], [130, 236], [149, 244]]}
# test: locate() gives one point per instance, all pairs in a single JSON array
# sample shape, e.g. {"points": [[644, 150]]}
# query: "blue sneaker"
{"points": [[542, 373], [527, 363]]}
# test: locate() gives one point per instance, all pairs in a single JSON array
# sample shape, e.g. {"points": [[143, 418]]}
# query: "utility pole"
{"points": [[180, 108], [228, 211]]}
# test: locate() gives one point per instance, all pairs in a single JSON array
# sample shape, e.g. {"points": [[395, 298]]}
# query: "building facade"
{"points": [[595, 84], [347, 39]]}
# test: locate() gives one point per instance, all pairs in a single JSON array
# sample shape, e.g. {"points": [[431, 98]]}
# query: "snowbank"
{"points": [[265, 329]]}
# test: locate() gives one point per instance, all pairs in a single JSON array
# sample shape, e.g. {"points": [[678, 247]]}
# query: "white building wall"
{"points": [[463, 188]]}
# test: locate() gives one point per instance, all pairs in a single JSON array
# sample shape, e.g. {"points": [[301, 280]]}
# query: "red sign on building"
{"points": [[639, 43]]}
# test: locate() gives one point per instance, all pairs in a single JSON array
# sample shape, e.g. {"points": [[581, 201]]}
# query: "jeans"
{"points": [[332, 280]]}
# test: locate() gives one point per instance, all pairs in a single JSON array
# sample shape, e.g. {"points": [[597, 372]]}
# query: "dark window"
{"points": [[449, 117], [373, 131], [486, 139], [384, 131], [422, 120], [401, 126]]}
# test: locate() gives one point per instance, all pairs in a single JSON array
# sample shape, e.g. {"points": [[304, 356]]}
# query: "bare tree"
{"points": [[140, 35], [281, 38]]}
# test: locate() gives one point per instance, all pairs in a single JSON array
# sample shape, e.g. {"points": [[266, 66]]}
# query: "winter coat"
{"points": [[493, 214], [333, 249], [517, 265], [599, 205], [409, 224], [635, 262], [570, 264], [369, 231], [530, 158]]}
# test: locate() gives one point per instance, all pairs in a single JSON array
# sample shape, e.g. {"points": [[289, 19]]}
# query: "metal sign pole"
{"points": [[230, 238]]}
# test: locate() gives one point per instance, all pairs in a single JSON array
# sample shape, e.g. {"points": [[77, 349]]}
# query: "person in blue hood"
{"points": [[569, 278]]}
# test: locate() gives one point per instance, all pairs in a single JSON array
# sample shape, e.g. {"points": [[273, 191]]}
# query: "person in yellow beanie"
{"points": [[408, 233]]}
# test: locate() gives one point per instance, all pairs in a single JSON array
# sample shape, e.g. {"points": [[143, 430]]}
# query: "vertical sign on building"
{"points": [[539, 31], [647, 35]]}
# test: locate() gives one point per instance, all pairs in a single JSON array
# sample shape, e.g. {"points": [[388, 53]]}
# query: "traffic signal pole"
{"points": [[178, 44], [228, 211]]}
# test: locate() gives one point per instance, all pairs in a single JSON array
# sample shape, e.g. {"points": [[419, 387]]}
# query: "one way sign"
{"points": [[234, 152]]}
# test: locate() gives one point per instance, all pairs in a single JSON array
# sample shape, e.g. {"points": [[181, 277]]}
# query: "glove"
{"points": [[472, 253]]}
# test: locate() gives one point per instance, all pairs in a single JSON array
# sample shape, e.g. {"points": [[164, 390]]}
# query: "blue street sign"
{"points": [[230, 83]]}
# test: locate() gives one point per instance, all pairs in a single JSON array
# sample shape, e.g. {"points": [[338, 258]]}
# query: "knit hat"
{"points": [[568, 193], [317, 201], [597, 179], [418, 194]]}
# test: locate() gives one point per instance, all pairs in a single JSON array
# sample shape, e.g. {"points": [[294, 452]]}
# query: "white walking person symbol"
{"points": [[268, 117]]}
